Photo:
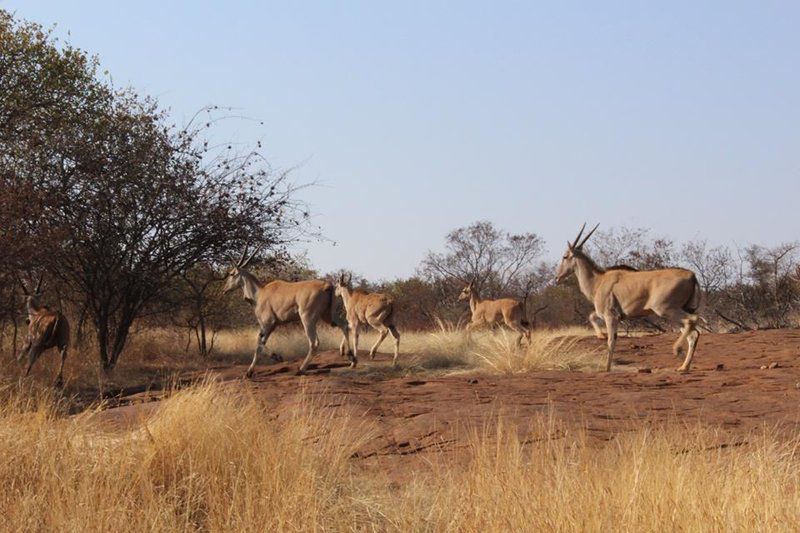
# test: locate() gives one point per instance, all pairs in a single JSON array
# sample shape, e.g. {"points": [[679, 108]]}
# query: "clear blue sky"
{"points": [[419, 117]]}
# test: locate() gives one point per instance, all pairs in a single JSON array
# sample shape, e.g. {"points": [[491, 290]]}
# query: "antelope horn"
{"points": [[575, 242], [39, 284], [588, 235], [240, 262], [22, 285], [247, 262]]}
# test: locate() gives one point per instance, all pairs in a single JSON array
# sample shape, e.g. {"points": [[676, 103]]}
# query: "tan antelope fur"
{"points": [[46, 329], [671, 293], [373, 308], [506, 311], [279, 302]]}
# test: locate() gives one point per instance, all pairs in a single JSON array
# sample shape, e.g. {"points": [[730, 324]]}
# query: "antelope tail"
{"points": [[696, 299], [331, 305], [53, 330]]}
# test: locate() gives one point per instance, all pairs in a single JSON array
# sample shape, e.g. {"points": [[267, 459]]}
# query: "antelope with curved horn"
{"points": [[279, 302], [508, 311], [46, 329], [671, 293], [375, 309]]}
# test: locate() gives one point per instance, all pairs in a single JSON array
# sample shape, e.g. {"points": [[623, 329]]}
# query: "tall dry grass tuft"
{"points": [[547, 350], [210, 459]]}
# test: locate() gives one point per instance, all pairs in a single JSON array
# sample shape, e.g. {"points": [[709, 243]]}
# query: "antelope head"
{"points": [[344, 282], [467, 292], [234, 278], [574, 248], [32, 305], [32, 297]]}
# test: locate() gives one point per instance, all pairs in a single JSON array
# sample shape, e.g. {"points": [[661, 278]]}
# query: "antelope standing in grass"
{"points": [[46, 329], [279, 302], [506, 311], [671, 293], [374, 308]]}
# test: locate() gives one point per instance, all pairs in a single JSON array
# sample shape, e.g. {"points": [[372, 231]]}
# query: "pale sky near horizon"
{"points": [[420, 117]]}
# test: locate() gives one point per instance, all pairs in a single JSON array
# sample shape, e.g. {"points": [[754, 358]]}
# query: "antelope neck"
{"points": [[587, 274], [250, 286]]}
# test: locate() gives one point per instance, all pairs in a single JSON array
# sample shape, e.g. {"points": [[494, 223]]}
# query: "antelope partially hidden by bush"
{"points": [[671, 293], [46, 329], [374, 308], [279, 302], [508, 311]]}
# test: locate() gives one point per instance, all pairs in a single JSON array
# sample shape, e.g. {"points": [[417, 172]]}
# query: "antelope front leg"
{"points": [[263, 335]]}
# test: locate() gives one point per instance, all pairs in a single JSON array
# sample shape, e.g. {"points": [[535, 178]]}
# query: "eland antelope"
{"points": [[279, 302], [622, 292], [46, 329], [506, 311], [374, 308]]}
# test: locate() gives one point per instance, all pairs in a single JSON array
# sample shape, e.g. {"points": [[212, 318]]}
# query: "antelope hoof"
{"points": [[59, 383], [683, 370], [371, 356], [249, 373]]}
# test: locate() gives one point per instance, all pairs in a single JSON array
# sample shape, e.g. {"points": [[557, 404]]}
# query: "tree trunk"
{"points": [[202, 339]]}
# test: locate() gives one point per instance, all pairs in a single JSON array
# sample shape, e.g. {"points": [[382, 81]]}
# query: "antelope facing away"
{"points": [[506, 311], [374, 308], [46, 329], [279, 302], [671, 293]]}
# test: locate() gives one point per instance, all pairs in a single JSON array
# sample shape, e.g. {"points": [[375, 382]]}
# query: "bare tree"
{"points": [[496, 260], [714, 266], [633, 247]]}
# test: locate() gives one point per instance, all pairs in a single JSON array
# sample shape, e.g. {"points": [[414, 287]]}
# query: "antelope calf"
{"points": [[280, 302], [622, 292], [374, 308], [506, 311], [46, 329]]}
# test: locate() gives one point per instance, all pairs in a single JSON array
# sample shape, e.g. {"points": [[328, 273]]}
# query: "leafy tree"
{"points": [[118, 202]]}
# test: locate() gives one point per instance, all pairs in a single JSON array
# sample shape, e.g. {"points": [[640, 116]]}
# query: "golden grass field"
{"points": [[213, 457]]}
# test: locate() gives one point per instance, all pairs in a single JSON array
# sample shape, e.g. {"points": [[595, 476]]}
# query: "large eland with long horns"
{"points": [[671, 293]]}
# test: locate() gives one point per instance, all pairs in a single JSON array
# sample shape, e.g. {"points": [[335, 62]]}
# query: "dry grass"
{"points": [[444, 349], [678, 480], [212, 458], [209, 460], [156, 355]]}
